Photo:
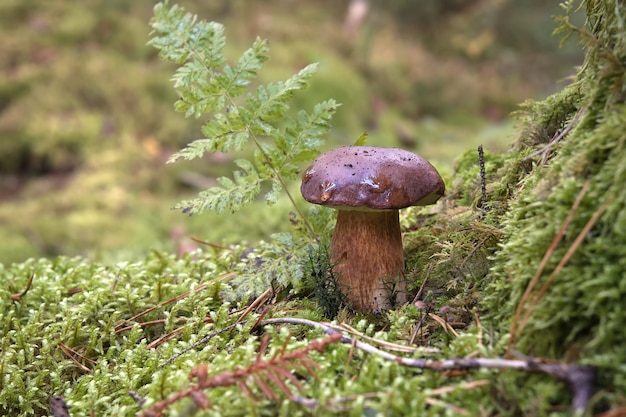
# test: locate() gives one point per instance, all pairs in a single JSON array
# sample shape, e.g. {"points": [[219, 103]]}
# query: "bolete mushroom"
{"points": [[368, 185]]}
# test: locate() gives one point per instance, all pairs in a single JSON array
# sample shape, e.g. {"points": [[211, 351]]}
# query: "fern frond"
{"points": [[247, 67], [231, 195], [302, 138], [272, 264], [178, 35], [208, 85], [270, 102]]}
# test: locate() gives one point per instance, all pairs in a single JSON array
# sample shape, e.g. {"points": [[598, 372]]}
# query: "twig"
{"points": [[243, 313], [209, 244], [515, 332], [483, 181], [579, 378], [557, 137], [260, 372], [421, 289], [258, 301], [71, 353], [18, 297], [383, 343], [447, 327], [119, 327], [158, 342], [568, 255]]}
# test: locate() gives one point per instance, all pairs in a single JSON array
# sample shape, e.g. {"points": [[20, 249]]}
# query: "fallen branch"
{"points": [[578, 378], [267, 375]]}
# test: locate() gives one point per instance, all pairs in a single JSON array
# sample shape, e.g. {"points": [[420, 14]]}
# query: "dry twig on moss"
{"points": [[558, 136], [579, 379], [267, 375]]}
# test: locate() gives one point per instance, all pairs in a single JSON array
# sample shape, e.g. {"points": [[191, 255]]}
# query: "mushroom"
{"points": [[368, 185]]}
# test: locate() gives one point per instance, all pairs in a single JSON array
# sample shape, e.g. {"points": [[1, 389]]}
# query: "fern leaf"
{"points": [[231, 194], [271, 264], [208, 85], [271, 197], [270, 102], [306, 135], [181, 37], [247, 68], [199, 47], [301, 140]]}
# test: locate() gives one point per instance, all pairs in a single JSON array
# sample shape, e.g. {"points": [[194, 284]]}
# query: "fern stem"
{"points": [[265, 156], [282, 183]]}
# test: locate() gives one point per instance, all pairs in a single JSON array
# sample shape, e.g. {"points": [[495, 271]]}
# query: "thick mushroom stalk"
{"points": [[370, 273], [368, 185]]}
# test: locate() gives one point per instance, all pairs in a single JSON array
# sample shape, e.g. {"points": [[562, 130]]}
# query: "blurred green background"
{"points": [[87, 119]]}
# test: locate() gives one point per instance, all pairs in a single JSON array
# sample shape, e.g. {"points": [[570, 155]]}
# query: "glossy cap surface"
{"points": [[368, 177]]}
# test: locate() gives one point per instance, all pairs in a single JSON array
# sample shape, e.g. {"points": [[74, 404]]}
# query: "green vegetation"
{"points": [[68, 335], [86, 119], [570, 208], [546, 264], [536, 270], [206, 84]]}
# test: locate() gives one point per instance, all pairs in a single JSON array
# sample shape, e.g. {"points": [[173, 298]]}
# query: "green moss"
{"points": [[571, 144], [581, 313], [82, 306], [474, 267]]}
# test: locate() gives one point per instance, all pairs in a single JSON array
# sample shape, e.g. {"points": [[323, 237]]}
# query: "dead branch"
{"points": [[579, 379], [265, 374]]}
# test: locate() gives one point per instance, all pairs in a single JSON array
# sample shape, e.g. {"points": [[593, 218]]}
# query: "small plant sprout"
{"points": [[368, 185]]}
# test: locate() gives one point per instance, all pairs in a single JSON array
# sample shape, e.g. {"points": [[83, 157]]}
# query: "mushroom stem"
{"points": [[366, 250]]}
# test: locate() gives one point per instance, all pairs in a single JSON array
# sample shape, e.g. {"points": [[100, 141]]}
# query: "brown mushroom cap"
{"points": [[368, 177]]}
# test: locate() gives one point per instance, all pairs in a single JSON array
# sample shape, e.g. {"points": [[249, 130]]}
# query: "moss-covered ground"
{"points": [[535, 270]]}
